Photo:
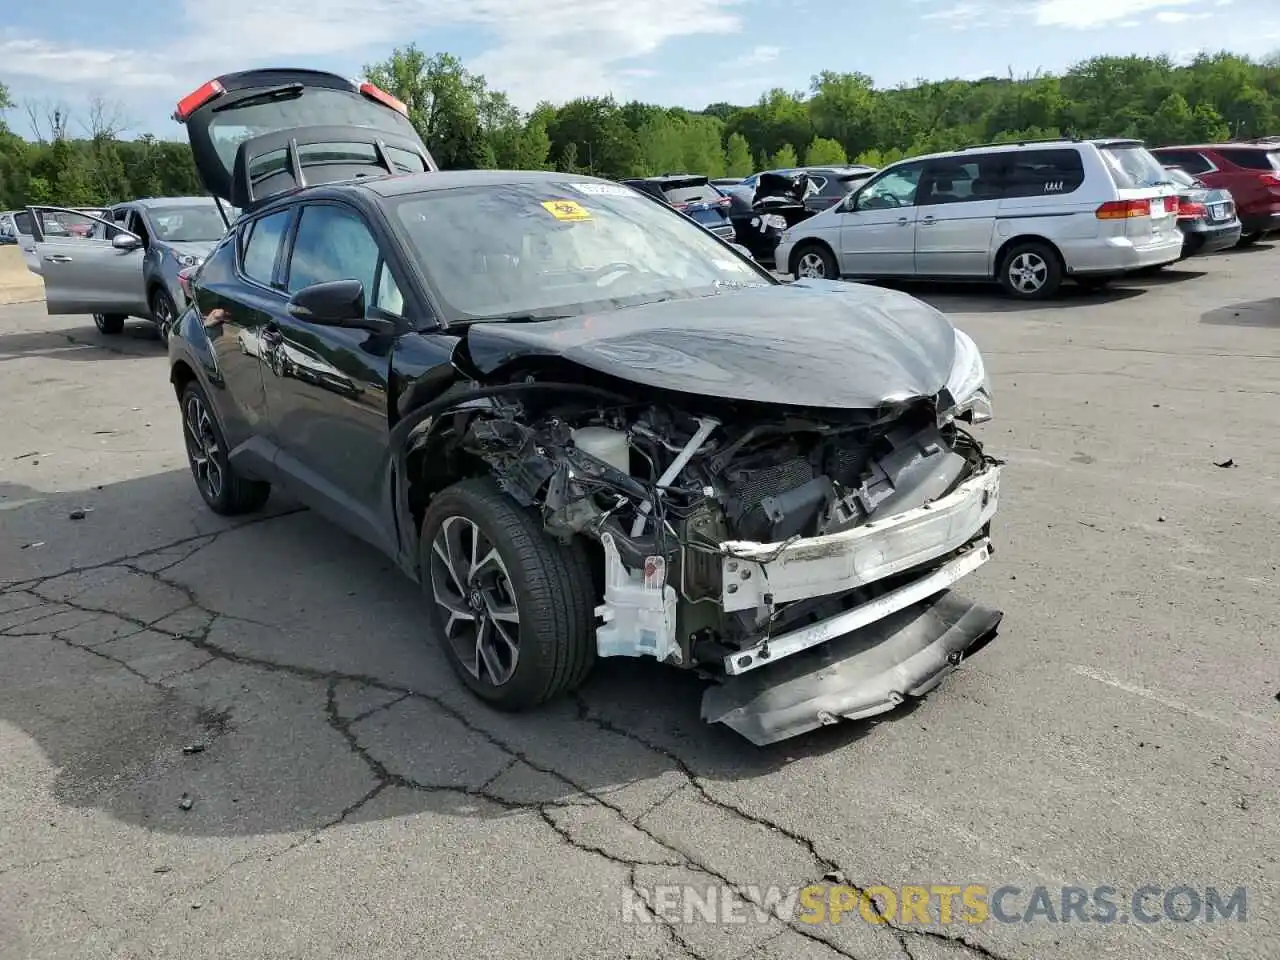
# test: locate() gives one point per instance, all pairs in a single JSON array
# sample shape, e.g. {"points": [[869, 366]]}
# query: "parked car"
{"points": [[761, 215], [692, 195], [8, 229], [585, 425], [726, 181], [127, 266], [828, 185], [1207, 217], [1027, 215], [1249, 171]]}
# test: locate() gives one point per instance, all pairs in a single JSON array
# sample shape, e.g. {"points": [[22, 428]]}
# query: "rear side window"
{"points": [[1132, 166], [702, 193], [1266, 160], [1039, 173], [1188, 160], [260, 250], [23, 222]]}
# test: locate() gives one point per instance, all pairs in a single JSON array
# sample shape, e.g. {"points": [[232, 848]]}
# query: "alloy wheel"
{"points": [[470, 583], [811, 266], [203, 449], [162, 314], [1028, 272]]}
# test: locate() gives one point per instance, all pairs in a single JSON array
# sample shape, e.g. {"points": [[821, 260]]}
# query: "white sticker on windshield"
{"points": [[603, 190]]}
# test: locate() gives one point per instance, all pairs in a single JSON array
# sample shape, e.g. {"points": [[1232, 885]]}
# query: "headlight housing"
{"points": [[187, 260], [967, 388]]}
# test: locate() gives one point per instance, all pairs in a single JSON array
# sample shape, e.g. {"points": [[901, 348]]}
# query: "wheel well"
{"points": [[1025, 238], [800, 247], [434, 466], [180, 376]]}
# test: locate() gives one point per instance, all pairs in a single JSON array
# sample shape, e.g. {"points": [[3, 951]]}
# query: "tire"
{"points": [[225, 491], [1031, 271], [814, 261], [545, 584], [1249, 239], [111, 324], [163, 312]]}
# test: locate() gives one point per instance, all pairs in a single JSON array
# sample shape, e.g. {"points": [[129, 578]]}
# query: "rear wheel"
{"points": [[223, 489], [109, 323], [513, 607], [1031, 271], [814, 261]]}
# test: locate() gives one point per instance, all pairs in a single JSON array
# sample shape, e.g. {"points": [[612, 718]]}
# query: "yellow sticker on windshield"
{"points": [[566, 210]]}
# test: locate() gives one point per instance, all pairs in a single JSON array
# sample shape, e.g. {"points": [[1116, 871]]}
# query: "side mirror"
{"points": [[336, 303], [125, 241]]}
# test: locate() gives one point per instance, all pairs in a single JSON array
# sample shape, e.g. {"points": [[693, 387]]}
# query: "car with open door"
{"points": [[585, 425]]}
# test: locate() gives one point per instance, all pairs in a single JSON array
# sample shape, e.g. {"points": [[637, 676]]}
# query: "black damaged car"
{"points": [[587, 427]]}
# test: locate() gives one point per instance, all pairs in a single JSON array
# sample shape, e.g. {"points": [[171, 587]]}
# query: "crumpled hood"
{"points": [[811, 343]]}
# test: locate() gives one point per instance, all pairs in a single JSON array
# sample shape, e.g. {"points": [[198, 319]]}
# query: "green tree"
{"points": [[784, 158], [737, 156], [825, 153]]}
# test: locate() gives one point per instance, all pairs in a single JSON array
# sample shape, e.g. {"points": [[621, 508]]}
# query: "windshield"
{"points": [[315, 106], [187, 224], [1132, 166], [556, 249]]}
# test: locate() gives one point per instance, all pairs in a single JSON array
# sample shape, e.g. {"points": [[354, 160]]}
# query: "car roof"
{"points": [[1231, 145]]}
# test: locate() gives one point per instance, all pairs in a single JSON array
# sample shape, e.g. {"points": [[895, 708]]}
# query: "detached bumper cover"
{"points": [[862, 674]]}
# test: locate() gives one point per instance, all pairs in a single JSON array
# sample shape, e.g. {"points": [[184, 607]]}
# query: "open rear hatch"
{"points": [[259, 133]]}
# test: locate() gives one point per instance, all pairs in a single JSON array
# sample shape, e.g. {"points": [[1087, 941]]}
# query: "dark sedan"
{"points": [[1207, 217]]}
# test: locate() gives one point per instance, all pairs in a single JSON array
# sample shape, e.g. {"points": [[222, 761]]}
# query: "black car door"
{"points": [[327, 386]]}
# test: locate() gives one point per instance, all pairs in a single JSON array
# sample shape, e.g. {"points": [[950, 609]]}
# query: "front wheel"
{"points": [[1031, 271], [813, 261], [163, 313], [223, 489], [514, 608]]}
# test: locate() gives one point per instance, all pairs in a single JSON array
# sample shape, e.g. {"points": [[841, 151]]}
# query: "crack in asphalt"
{"points": [[384, 777]]}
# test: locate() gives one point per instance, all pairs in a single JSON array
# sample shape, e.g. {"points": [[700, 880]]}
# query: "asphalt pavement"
{"points": [[237, 739]]}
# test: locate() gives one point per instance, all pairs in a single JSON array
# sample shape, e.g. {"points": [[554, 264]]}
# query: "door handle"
{"points": [[57, 258], [927, 220], [903, 221], [271, 335]]}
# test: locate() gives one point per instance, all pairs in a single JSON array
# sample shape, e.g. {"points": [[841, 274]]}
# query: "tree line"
{"points": [[841, 118]]}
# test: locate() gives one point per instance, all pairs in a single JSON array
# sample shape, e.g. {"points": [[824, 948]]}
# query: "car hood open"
{"points": [[811, 343]]}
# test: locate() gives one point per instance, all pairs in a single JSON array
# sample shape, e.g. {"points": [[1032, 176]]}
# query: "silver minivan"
{"points": [[1028, 215]]}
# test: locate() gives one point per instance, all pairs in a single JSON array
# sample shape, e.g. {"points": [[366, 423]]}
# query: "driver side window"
{"points": [[897, 188]]}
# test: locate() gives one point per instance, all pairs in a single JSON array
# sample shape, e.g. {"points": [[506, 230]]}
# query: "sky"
{"points": [[141, 57]]}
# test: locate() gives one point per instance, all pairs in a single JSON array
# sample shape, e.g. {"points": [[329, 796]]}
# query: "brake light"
{"points": [[681, 206], [1270, 179], [196, 99], [1189, 210], [384, 98], [1123, 209], [184, 281], [723, 202]]}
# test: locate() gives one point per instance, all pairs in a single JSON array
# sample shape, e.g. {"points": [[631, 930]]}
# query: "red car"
{"points": [[1250, 170]]}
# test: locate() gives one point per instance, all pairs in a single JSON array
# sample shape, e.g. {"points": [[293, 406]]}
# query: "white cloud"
{"points": [[80, 65], [538, 50], [1083, 14], [1178, 16]]}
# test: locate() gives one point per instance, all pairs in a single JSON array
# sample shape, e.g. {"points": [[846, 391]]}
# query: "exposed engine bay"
{"points": [[730, 543]]}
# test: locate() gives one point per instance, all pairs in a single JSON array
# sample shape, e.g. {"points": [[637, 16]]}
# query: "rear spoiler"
{"points": [[245, 189]]}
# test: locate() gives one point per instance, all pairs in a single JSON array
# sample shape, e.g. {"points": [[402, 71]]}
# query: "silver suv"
{"points": [[1028, 215]]}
